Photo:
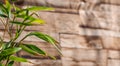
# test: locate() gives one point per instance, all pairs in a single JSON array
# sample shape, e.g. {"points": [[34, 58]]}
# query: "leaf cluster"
{"points": [[12, 17]]}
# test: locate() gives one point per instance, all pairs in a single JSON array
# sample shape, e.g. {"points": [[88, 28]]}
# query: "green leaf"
{"points": [[3, 46], [46, 38], [36, 8], [20, 23], [42, 36], [37, 21], [29, 50], [26, 17], [8, 8], [8, 5], [34, 22], [52, 57], [31, 20], [3, 10], [32, 49], [35, 48], [17, 8], [10, 51], [11, 63], [2, 14], [18, 59]]}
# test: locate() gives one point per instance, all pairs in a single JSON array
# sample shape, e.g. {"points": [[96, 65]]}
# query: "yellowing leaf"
{"points": [[38, 21]]}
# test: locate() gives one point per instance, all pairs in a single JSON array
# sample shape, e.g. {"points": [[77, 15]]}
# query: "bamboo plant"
{"points": [[13, 17]]}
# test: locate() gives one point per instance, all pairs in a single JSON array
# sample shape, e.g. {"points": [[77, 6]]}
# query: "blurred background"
{"points": [[88, 32]]}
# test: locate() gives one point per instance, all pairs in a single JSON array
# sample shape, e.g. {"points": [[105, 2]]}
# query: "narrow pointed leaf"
{"points": [[35, 48], [36, 8], [37, 21], [18, 59], [3, 9], [52, 57], [10, 51], [31, 19], [32, 49], [42, 36], [28, 50], [8, 8], [34, 22], [52, 41], [26, 17], [46, 38]]}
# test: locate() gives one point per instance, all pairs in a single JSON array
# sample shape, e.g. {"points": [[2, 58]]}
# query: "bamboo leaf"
{"points": [[34, 22], [3, 10], [2, 14], [10, 51], [26, 17], [46, 38], [37, 21], [8, 8], [20, 23], [32, 49], [52, 57], [36, 8], [35, 48], [28, 50], [31, 20], [42, 36], [18, 59]]}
